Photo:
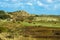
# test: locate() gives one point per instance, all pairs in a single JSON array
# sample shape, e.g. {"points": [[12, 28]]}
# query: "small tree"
{"points": [[3, 15]]}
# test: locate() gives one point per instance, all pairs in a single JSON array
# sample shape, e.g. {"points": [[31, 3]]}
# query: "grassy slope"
{"points": [[16, 24], [15, 27], [48, 24]]}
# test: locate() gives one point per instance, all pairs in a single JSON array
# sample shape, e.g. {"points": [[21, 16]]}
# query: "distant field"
{"points": [[48, 24], [29, 31]]}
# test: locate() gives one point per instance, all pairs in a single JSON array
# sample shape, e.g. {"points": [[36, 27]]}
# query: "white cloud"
{"points": [[8, 5], [30, 4], [4, 4], [52, 6], [40, 3], [49, 1], [18, 3]]}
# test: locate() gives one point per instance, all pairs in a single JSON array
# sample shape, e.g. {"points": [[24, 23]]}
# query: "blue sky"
{"points": [[32, 6]]}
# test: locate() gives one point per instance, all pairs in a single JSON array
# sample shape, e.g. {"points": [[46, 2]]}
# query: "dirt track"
{"points": [[35, 33], [38, 32]]}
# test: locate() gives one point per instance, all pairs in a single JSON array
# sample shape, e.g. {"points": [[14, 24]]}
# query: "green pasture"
{"points": [[47, 24]]}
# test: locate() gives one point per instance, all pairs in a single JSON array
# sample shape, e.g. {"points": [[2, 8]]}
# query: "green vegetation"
{"points": [[3, 29], [22, 23], [3, 15]]}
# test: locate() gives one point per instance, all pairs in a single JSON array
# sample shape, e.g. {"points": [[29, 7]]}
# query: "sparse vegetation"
{"points": [[21, 23]]}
